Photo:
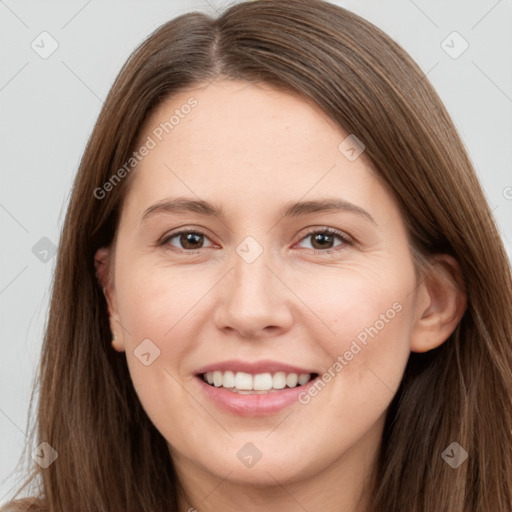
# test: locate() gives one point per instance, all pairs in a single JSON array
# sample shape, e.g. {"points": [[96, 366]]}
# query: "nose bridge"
{"points": [[254, 297], [252, 278]]}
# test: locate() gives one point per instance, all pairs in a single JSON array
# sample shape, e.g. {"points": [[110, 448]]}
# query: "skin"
{"points": [[251, 149]]}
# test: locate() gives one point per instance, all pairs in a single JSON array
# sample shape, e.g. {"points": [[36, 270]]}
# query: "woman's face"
{"points": [[262, 294]]}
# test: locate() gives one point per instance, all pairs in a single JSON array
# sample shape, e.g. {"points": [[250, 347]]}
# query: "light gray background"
{"points": [[49, 107]]}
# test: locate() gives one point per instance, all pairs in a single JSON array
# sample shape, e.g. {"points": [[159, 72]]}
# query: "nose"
{"points": [[255, 301]]}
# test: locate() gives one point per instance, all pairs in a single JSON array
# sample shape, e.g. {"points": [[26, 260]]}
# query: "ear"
{"points": [[440, 305], [104, 276]]}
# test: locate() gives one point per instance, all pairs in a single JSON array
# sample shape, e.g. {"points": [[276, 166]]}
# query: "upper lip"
{"points": [[253, 367]]}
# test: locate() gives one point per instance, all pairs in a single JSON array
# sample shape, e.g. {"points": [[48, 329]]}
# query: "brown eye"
{"points": [[323, 239], [188, 240]]}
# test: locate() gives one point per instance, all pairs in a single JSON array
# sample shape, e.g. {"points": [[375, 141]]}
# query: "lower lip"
{"points": [[256, 404]]}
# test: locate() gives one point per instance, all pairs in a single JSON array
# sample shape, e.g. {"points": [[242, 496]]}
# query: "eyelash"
{"points": [[345, 239]]}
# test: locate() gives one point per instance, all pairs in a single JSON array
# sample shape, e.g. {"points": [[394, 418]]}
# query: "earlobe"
{"points": [[440, 306], [117, 343]]}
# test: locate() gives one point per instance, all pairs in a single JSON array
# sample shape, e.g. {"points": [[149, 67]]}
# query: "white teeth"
{"points": [[291, 380], [217, 379], [228, 380], [262, 382], [243, 381], [279, 380], [304, 378], [246, 383]]}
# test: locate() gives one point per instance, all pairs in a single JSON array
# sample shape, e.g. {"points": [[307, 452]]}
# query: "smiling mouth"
{"points": [[254, 384]]}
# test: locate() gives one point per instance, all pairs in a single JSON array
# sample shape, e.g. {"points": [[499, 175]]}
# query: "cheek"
{"points": [[370, 355], [157, 302], [156, 306], [364, 311], [365, 338], [372, 329], [362, 372]]}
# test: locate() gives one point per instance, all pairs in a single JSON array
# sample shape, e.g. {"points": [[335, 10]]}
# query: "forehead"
{"points": [[246, 143], [255, 116]]}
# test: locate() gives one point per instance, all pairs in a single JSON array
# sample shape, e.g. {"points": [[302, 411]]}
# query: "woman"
{"points": [[199, 356]]}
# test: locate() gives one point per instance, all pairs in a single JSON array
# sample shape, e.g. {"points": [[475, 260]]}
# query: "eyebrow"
{"points": [[292, 209]]}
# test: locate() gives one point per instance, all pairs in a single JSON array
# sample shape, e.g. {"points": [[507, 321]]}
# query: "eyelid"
{"points": [[346, 239], [199, 231], [331, 231]]}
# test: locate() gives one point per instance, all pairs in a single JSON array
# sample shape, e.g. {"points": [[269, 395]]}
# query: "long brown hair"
{"points": [[111, 457]]}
